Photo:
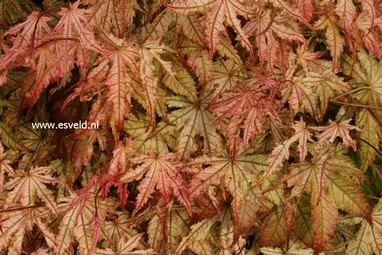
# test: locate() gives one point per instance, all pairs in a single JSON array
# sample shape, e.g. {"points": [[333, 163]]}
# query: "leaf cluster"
{"points": [[223, 127]]}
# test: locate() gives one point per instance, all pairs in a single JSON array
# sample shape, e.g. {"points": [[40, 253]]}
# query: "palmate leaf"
{"points": [[160, 172], [118, 229], [181, 83], [267, 28], [366, 23], [366, 80], [151, 51], [206, 236], [166, 230], [191, 26], [74, 23], [236, 175], [27, 186], [16, 223], [25, 37], [295, 248], [12, 12], [293, 12], [371, 132], [159, 26], [226, 75], [220, 11], [335, 130], [368, 239], [303, 228], [193, 119], [346, 10], [331, 188], [202, 66], [155, 234], [120, 153], [124, 55], [324, 219], [281, 152], [81, 157], [128, 247], [274, 229], [5, 167], [199, 238], [333, 37], [246, 107], [325, 86], [142, 141], [82, 217], [306, 8], [115, 17]]}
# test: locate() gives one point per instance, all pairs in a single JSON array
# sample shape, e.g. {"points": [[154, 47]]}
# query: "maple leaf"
{"points": [[281, 152], [346, 10], [117, 229], [82, 217], [306, 8], [324, 218], [236, 175], [120, 153], [149, 51], [200, 239], [14, 11], [80, 156], [267, 27], [295, 13], [192, 27], [28, 185], [15, 223], [29, 37], [330, 190], [122, 55], [220, 12], [225, 76], [302, 135], [167, 227], [126, 248], [366, 22], [159, 26], [366, 77], [247, 109], [161, 172], [300, 98], [73, 23], [274, 229], [5, 167], [197, 240], [144, 141], [182, 83], [368, 239], [341, 130], [371, 131], [333, 37], [325, 85], [295, 247], [194, 119], [116, 17]]}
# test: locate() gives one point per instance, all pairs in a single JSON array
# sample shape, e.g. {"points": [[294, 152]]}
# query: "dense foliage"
{"points": [[225, 127]]}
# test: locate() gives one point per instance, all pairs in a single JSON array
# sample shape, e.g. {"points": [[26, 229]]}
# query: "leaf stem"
{"points": [[358, 105], [350, 92], [12, 209], [372, 146]]}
